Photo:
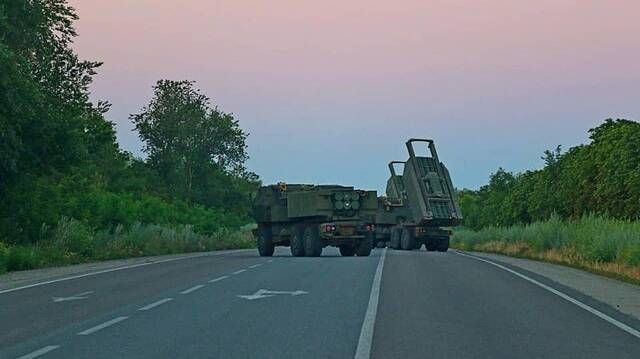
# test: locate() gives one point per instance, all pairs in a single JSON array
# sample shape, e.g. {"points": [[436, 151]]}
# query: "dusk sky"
{"points": [[330, 90]]}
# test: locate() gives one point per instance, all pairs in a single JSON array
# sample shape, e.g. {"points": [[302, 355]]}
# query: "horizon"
{"points": [[319, 85]]}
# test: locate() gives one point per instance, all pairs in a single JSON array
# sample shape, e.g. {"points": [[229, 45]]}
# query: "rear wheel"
{"points": [[443, 245], [265, 241], [407, 242], [296, 243], [431, 245], [394, 242], [347, 251], [312, 244], [364, 248]]}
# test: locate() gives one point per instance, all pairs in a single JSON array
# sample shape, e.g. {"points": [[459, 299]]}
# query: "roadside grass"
{"points": [[73, 242], [598, 244]]}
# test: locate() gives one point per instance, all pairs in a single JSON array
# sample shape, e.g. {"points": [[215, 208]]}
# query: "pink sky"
{"points": [[319, 83]]}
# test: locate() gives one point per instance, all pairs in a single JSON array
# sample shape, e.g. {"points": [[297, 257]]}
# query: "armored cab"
{"points": [[309, 217], [418, 202]]}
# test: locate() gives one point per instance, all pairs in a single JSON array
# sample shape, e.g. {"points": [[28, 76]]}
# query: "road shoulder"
{"points": [[624, 297]]}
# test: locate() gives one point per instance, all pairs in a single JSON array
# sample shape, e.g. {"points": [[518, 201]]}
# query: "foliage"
{"points": [[73, 242], [188, 142], [65, 185], [594, 242], [602, 177]]}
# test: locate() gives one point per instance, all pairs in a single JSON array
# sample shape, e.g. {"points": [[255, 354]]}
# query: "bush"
{"points": [[3, 257], [23, 258], [72, 241], [591, 238], [74, 237]]}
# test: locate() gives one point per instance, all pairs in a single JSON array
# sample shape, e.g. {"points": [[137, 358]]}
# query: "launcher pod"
{"points": [[418, 203]]}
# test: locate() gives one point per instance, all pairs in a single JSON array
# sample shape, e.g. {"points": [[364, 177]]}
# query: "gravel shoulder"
{"points": [[625, 297], [21, 278]]}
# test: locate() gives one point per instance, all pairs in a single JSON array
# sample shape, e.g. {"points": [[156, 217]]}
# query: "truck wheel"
{"points": [[394, 242], [381, 244], [312, 244], [407, 242], [365, 246], [430, 246], [265, 242], [347, 251], [443, 245], [296, 244]]}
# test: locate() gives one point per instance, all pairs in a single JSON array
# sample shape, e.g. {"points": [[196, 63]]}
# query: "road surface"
{"points": [[393, 304]]}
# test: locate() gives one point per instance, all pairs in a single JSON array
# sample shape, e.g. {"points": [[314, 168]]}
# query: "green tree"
{"points": [[188, 142], [601, 177]]}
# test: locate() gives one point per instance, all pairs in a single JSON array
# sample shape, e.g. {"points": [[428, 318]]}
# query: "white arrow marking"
{"points": [[83, 295], [265, 293]]}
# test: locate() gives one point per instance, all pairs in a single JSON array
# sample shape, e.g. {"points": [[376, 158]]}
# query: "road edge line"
{"points": [[214, 254], [564, 296], [365, 341]]}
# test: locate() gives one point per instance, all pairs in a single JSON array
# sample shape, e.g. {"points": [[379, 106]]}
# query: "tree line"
{"points": [[601, 177], [59, 158]]}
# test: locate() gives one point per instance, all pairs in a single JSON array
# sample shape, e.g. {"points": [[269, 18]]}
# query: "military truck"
{"points": [[418, 203], [308, 218]]}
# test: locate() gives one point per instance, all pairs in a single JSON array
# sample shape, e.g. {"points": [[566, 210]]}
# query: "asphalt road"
{"points": [[393, 304]]}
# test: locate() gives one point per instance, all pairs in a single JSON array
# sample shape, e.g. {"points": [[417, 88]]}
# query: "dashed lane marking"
{"points": [[121, 268], [102, 326], [39, 352], [239, 271], [192, 289], [155, 304]]}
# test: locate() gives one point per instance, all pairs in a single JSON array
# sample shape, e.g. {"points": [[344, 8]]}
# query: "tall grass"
{"points": [[609, 246], [72, 242]]}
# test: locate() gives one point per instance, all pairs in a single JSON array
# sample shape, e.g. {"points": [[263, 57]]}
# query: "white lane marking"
{"points": [[270, 261], [155, 304], [239, 271], [363, 351], [79, 296], [192, 289], [108, 323], [265, 293], [39, 352], [255, 265], [566, 297], [218, 279], [120, 268]]}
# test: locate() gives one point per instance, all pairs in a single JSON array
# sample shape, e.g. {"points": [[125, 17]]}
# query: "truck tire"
{"points": [[381, 244], [296, 243], [265, 241], [312, 243], [407, 242], [347, 251], [431, 245], [394, 242], [443, 245], [365, 246]]}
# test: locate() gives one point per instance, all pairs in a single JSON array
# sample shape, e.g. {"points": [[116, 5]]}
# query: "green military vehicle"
{"points": [[418, 203], [308, 218]]}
